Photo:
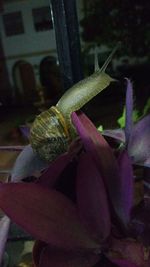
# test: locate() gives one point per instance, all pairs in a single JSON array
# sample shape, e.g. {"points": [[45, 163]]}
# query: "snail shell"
{"points": [[49, 134]]}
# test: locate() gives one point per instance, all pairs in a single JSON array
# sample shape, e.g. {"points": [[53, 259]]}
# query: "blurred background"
{"points": [[31, 73]]}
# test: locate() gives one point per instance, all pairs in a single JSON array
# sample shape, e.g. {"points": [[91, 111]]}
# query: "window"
{"points": [[42, 18], [13, 23]]}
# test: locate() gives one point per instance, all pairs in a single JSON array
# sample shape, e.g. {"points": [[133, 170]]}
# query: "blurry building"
{"points": [[28, 57]]}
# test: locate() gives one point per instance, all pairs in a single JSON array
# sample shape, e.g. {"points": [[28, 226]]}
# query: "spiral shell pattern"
{"points": [[49, 134]]}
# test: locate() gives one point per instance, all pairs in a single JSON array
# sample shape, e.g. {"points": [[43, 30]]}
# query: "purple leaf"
{"points": [[104, 158], [117, 134], [46, 214], [48, 256], [95, 144], [92, 198], [129, 110], [4, 229], [126, 184], [52, 173], [25, 130], [27, 163], [139, 144]]}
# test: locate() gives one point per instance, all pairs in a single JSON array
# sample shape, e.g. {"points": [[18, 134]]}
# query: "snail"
{"points": [[52, 130]]}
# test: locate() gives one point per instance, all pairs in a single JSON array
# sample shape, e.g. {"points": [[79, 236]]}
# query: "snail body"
{"points": [[52, 130]]}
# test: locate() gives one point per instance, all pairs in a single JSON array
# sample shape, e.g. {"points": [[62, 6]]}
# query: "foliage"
{"points": [[121, 120], [81, 207], [107, 22], [135, 136]]}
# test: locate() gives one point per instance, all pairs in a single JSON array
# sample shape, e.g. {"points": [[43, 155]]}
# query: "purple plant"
{"points": [[87, 220], [27, 164], [135, 137]]}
